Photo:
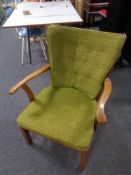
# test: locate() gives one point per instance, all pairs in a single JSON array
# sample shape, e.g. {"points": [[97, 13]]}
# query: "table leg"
{"points": [[29, 45]]}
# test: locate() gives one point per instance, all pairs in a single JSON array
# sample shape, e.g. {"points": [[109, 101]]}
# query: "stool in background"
{"points": [[92, 8]]}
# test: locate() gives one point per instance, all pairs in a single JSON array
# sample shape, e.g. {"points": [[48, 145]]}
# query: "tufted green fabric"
{"points": [[82, 58], [62, 114]]}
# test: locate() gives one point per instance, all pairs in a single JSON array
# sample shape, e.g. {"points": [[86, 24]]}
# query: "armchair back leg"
{"points": [[95, 125], [83, 160], [26, 136]]}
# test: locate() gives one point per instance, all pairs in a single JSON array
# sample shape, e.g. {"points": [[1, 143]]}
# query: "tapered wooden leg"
{"points": [[83, 160], [26, 136]]}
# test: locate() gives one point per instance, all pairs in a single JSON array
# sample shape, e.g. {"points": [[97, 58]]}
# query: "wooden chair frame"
{"points": [[100, 115]]}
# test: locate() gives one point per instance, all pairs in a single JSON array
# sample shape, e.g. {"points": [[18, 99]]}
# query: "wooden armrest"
{"points": [[107, 88], [26, 79]]}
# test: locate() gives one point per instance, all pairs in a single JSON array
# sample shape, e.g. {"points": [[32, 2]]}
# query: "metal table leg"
{"points": [[29, 45]]}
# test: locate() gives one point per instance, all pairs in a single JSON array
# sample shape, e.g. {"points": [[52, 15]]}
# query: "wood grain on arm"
{"points": [[22, 83], [107, 88]]}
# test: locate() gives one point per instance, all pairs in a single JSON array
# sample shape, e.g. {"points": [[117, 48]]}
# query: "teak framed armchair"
{"points": [[68, 110]]}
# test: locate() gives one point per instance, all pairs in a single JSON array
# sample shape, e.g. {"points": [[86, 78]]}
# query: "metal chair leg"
{"points": [[43, 48], [27, 46], [23, 49]]}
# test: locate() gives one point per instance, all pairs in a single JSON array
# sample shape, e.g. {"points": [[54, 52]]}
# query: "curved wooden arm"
{"points": [[28, 92], [23, 82], [107, 88]]}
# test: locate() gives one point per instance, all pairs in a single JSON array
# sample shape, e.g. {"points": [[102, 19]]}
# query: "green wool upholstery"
{"points": [[80, 60], [62, 114]]}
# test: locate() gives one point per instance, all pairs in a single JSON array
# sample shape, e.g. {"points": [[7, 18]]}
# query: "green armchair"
{"points": [[68, 110]]}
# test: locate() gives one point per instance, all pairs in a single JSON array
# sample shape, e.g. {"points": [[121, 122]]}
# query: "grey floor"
{"points": [[110, 153]]}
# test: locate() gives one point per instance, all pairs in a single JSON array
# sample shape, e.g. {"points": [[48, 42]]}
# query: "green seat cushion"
{"points": [[65, 115]]}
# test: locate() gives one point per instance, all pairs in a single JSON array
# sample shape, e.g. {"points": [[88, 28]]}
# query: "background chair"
{"points": [[35, 33], [92, 8], [8, 7], [8, 11], [103, 13], [5, 10], [67, 111], [2, 13]]}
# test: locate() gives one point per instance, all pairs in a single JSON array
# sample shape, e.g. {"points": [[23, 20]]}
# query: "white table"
{"points": [[51, 12]]}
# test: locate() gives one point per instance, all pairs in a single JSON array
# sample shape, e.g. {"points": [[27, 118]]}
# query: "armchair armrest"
{"points": [[107, 88], [22, 83]]}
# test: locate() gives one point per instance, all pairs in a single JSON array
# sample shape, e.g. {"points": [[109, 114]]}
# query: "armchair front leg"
{"points": [[107, 88]]}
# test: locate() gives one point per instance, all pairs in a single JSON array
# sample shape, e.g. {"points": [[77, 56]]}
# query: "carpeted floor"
{"points": [[110, 153]]}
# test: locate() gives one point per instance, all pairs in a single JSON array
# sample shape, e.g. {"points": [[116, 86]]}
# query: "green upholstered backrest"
{"points": [[81, 58]]}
